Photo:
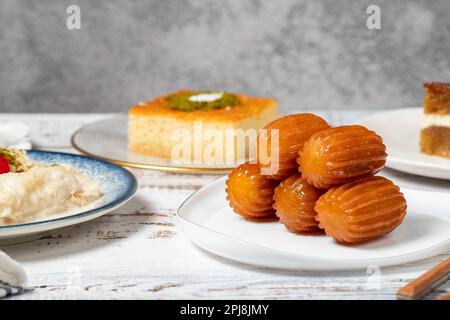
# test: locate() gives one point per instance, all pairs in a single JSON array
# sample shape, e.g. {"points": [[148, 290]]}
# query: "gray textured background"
{"points": [[308, 54]]}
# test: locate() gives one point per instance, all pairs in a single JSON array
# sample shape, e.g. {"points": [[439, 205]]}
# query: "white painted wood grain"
{"points": [[138, 251]]}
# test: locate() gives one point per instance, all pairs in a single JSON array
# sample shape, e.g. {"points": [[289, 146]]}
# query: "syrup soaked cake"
{"points": [[435, 126], [197, 120]]}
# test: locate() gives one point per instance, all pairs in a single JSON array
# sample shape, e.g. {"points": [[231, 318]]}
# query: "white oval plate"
{"points": [[117, 184], [400, 130], [210, 223], [108, 140]]}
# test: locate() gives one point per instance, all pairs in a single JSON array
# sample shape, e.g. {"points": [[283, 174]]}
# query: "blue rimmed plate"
{"points": [[117, 184]]}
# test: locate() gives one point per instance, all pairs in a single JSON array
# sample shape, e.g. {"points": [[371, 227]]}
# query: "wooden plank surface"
{"points": [[139, 252]]}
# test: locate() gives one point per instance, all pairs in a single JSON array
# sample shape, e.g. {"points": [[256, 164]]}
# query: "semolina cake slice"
{"points": [[196, 126], [435, 126]]}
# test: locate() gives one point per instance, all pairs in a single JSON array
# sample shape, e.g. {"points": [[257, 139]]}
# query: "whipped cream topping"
{"points": [[429, 120], [206, 97]]}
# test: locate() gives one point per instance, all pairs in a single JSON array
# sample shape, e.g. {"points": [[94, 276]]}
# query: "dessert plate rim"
{"points": [[128, 190], [150, 166], [315, 263], [425, 166]]}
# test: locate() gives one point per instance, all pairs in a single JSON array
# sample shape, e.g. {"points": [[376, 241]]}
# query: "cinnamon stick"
{"points": [[445, 296], [422, 285]]}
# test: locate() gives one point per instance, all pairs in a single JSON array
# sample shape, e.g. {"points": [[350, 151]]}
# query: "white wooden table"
{"points": [[139, 252]]}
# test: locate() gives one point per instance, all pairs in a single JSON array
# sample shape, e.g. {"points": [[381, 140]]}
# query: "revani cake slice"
{"points": [[435, 126], [195, 126]]}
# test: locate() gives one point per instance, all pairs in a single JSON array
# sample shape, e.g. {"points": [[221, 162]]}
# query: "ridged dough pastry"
{"points": [[361, 210], [338, 155], [294, 202], [294, 131], [250, 194]]}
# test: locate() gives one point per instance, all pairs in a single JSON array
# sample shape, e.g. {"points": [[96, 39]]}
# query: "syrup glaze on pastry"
{"points": [[338, 155], [294, 202], [293, 131], [249, 193], [361, 210]]}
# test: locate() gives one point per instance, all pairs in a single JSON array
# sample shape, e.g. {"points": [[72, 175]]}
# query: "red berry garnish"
{"points": [[4, 165]]}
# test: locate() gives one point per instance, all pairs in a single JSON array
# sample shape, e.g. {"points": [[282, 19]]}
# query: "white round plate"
{"points": [[108, 140], [210, 223], [400, 130], [117, 184]]}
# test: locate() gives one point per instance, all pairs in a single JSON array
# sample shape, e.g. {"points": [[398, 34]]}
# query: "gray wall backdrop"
{"points": [[308, 54]]}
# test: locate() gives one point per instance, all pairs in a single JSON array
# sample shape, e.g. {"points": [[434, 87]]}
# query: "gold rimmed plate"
{"points": [[108, 140]]}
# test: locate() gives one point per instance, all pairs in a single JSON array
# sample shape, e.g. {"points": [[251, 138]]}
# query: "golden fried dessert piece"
{"points": [[361, 210], [250, 194], [293, 131], [294, 201], [435, 124], [338, 155]]}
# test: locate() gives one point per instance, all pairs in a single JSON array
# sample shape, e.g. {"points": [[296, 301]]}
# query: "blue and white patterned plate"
{"points": [[117, 184]]}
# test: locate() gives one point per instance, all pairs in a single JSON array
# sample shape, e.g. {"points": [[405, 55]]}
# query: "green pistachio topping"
{"points": [[202, 100]]}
